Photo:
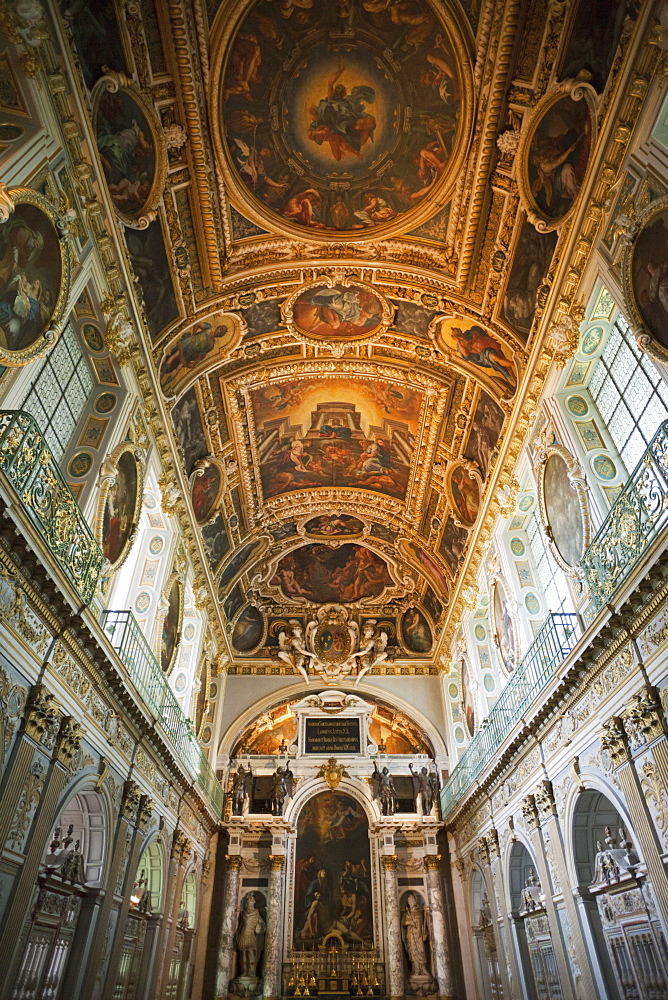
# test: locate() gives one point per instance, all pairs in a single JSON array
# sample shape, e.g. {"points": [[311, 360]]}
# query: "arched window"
{"points": [[147, 895], [551, 579]]}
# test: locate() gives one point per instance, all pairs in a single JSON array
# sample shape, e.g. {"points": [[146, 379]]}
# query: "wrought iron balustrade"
{"points": [[29, 465], [634, 521], [144, 671], [556, 638]]}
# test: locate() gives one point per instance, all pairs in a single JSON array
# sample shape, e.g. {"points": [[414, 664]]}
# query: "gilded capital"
{"points": [[483, 850], [233, 861], [42, 714], [69, 740], [182, 847], [277, 862], [530, 812], [432, 862], [131, 799], [493, 843], [544, 798], [613, 740], [389, 862], [145, 811]]}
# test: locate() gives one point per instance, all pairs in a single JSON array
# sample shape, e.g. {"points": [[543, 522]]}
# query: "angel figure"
{"points": [[283, 784], [373, 648], [291, 648]]}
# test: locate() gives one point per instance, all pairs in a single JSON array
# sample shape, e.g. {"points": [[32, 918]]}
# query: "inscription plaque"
{"points": [[332, 736]]}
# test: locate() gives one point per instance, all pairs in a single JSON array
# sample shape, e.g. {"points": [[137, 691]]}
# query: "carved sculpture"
{"points": [[415, 934], [282, 788], [291, 648], [423, 790], [373, 648], [242, 787], [249, 938], [383, 790]]}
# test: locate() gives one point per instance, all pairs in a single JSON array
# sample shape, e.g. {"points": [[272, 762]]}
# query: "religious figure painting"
{"points": [[330, 525], [208, 342], [429, 566], [120, 512], [216, 541], [432, 604], [484, 434], [233, 602], [337, 312], [247, 631], [332, 894], [415, 631], [526, 288], [558, 156], [649, 276], [479, 348], [238, 561], [593, 40], [189, 430], [148, 257], [96, 36], [205, 491], [31, 272], [452, 544], [504, 628], [350, 432], [288, 96], [170, 627], [127, 147], [465, 492], [342, 575], [468, 702], [562, 509]]}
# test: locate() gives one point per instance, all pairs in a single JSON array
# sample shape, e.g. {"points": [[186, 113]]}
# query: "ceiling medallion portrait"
{"points": [[336, 312], [343, 117]]}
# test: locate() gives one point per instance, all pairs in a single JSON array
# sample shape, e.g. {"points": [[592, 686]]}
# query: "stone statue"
{"points": [[249, 938], [423, 793], [291, 648], [182, 918], [373, 648], [415, 934], [283, 784], [383, 790], [242, 789]]}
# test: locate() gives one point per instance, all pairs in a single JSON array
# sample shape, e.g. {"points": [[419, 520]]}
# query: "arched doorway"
{"points": [[490, 984], [533, 934]]}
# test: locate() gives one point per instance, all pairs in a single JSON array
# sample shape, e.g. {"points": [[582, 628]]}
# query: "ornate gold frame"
{"points": [[331, 279], [499, 581], [112, 83], [201, 465], [644, 338], [204, 367], [263, 638], [476, 477], [10, 198], [228, 20], [577, 90], [463, 660], [106, 480], [167, 589], [577, 479]]}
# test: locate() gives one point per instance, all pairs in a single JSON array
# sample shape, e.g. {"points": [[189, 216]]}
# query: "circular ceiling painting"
{"points": [[343, 116]]}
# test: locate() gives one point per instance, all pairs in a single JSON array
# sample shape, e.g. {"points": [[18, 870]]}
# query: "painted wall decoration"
{"points": [[170, 627], [464, 494], [331, 525], [505, 631], [233, 602], [593, 40], [238, 562], [207, 343], [351, 432], [34, 278], [248, 629], [332, 873], [468, 701], [479, 349], [296, 113], [342, 575], [189, 430], [429, 566], [554, 154], [96, 37], [647, 276], [120, 507], [283, 531], [148, 257], [452, 544], [338, 311], [415, 631], [484, 433], [216, 541], [525, 290], [207, 484], [432, 604], [562, 510], [131, 148]]}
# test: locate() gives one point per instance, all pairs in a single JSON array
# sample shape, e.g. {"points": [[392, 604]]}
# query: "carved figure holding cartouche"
{"points": [[291, 648], [373, 648]]}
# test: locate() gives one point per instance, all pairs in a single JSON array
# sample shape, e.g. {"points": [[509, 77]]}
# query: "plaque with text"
{"points": [[332, 736]]}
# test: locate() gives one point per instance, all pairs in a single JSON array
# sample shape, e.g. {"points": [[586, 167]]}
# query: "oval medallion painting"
{"points": [[349, 136], [248, 630], [120, 509], [170, 627], [563, 513], [649, 273], [558, 156], [32, 292], [342, 311], [504, 627]]}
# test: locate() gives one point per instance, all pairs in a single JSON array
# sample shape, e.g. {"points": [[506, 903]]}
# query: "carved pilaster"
{"points": [[544, 799], [145, 811], [42, 715], [530, 812], [613, 741], [131, 800], [69, 740]]}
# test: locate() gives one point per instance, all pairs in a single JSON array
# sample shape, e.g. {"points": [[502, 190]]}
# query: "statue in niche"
{"points": [[415, 935], [383, 790], [249, 939], [283, 784], [423, 790], [242, 789]]}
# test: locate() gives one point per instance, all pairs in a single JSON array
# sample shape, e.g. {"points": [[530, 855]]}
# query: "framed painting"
{"points": [[415, 632], [248, 630], [344, 574], [463, 489], [483, 353], [35, 264], [206, 344], [337, 312], [563, 507], [554, 153], [206, 486], [120, 504], [505, 627], [467, 697], [131, 147], [171, 626], [646, 279], [334, 525]]}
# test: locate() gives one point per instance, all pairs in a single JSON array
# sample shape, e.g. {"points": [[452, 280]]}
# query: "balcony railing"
{"points": [[556, 638], [638, 515], [26, 460], [128, 640]]}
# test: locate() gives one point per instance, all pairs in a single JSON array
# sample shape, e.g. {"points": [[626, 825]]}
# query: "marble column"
{"points": [[432, 863], [228, 925], [394, 959], [273, 986]]}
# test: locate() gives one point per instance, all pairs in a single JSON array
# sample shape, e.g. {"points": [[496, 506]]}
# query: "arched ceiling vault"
{"points": [[362, 267]]}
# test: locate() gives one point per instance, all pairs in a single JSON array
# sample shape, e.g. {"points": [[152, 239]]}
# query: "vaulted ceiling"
{"points": [[364, 227]]}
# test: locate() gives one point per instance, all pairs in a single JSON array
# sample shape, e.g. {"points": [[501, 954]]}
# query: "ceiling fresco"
{"points": [[360, 226]]}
